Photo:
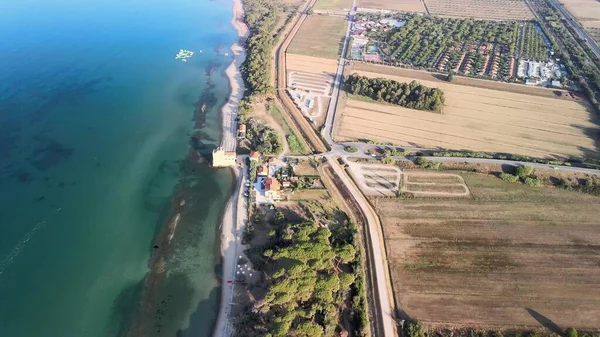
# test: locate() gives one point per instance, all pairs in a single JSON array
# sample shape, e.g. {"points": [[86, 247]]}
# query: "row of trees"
{"points": [[533, 45], [411, 95], [424, 39], [310, 274]]}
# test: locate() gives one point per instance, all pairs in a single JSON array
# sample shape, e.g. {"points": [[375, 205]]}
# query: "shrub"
{"points": [[509, 177], [532, 181], [571, 332], [428, 164], [351, 149], [523, 171]]}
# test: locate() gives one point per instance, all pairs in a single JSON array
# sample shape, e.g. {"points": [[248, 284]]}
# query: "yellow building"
{"points": [[222, 158]]}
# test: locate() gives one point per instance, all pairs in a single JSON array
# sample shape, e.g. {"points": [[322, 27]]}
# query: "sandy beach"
{"points": [[234, 214]]}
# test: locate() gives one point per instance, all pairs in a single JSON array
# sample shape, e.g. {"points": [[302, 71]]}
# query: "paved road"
{"points": [[327, 130], [386, 307], [384, 288]]}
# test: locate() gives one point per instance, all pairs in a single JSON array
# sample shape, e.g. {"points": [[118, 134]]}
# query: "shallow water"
{"points": [[97, 120]]}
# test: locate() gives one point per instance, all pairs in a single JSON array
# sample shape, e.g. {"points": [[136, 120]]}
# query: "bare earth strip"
{"points": [[394, 5], [480, 120], [481, 9], [501, 257]]}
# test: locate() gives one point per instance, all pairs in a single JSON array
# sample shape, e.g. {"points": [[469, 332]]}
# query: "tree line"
{"points": [[411, 95], [261, 18]]}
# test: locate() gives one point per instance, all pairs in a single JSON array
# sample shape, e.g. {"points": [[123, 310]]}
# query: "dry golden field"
{"points": [[502, 257], [586, 11], [394, 5], [480, 9], [477, 119], [310, 64], [333, 4], [320, 36]]}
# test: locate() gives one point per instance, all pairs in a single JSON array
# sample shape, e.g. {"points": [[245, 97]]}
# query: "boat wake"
{"points": [[7, 261]]}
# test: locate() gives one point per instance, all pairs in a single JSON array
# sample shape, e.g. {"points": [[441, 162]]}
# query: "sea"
{"points": [[109, 208]]}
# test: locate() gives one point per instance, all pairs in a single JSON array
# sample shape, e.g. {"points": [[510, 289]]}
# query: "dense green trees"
{"points": [[411, 95], [311, 278], [423, 40], [261, 17]]}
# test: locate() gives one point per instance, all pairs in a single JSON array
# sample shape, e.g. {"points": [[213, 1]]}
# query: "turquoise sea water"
{"points": [[99, 127]]}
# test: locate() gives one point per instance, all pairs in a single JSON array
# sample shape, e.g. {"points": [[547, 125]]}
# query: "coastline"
{"points": [[230, 239]]}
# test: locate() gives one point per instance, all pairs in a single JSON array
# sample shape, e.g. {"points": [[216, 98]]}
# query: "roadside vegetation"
{"points": [[295, 144], [411, 95]]}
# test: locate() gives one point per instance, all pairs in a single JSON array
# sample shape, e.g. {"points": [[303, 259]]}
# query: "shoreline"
{"points": [[229, 238]]}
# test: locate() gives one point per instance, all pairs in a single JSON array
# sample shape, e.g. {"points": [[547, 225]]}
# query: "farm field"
{"points": [[480, 9], [394, 5], [477, 119], [320, 36], [503, 257], [310, 64], [332, 4], [420, 75], [587, 13]]}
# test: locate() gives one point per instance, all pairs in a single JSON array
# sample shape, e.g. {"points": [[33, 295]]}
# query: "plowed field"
{"points": [[320, 36], [481, 9], [506, 256], [394, 5], [480, 120]]}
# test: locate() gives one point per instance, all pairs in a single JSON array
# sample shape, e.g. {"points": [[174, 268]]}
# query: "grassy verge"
{"points": [[294, 142]]}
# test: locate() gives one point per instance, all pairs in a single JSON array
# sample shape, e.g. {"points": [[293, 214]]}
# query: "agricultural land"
{"points": [[476, 119], [320, 36], [480, 9], [394, 5], [332, 4], [503, 256]]}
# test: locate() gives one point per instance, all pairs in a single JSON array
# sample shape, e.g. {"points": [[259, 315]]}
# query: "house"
{"points": [[222, 158], [261, 171], [274, 161], [556, 84], [286, 184], [254, 155], [272, 188], [242, 130]]}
